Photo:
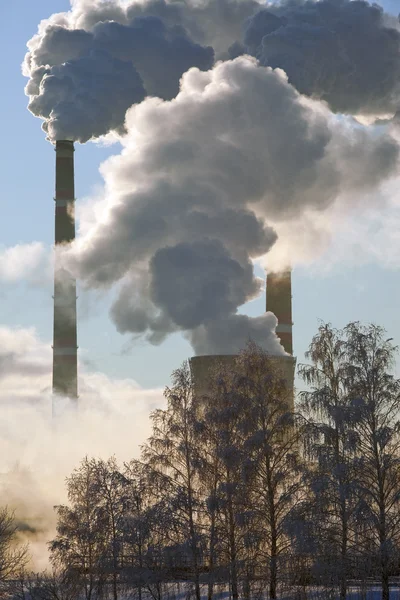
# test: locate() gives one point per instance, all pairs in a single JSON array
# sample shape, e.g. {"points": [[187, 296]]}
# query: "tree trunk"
{"points": [[193, 540], [232, 549], [115, 558], [140, 570], [273, 571], [273, 566], [212, 558], [343, 555], [384, 573], [115, 585], [385, 585], [342, 588], [383, 538], [193, 535]]}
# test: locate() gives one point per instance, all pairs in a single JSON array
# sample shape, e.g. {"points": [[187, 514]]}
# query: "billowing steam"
{"points": [[89, 65], [189, 196], [204, 172], [38, 452], [82, 81]]}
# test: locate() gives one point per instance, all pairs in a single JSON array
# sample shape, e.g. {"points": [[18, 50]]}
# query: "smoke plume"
{"points": [[188, 198], [38, 452], [346, 52], [86, 72], [213, 156]]}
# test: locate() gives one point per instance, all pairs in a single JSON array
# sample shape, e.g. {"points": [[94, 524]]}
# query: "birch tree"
{"points": [[210, 471], [172, 450], [111, 491], [375, 403], [330, 442], [81, 542], [13, 555], [227, 498], [270, 444], [248, 415], [137, 531]]}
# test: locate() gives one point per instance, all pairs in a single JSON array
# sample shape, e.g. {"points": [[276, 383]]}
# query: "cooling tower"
{"points": [[279, 301], [202, 367], [65, 369]]}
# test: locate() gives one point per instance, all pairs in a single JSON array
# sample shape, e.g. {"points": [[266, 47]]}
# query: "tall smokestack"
{"points": [[279, 301], [65, 369]]}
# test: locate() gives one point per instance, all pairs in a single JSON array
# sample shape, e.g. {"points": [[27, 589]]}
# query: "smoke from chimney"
{"points": [[189, 197], [203, 172]]}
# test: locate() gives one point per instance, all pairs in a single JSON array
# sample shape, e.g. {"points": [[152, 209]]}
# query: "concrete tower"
{"points": [[65, 369], [279, 301]]}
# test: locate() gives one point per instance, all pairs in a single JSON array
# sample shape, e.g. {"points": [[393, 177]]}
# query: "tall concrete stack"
{"points": [[65, 368], [279, 302]]}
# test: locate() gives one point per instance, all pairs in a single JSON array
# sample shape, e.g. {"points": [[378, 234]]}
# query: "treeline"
{"points": [[236, 490]]}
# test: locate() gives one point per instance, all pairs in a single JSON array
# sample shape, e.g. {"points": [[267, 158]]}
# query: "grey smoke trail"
{"points": [[189, 196], [346, 52]]}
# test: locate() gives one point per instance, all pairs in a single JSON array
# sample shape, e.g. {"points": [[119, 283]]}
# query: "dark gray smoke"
{"points": [[207, 282], [346, 52]]}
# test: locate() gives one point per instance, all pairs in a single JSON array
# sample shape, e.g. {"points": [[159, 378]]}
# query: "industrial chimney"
{"points": [[65, 369], [279, 301]]}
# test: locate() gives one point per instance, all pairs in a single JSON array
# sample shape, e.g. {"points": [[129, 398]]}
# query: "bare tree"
{"points": [[210, 470], [111, 489], [81, 543], [54, 585], [255, 471], [13, 555], [270, 444], [140, 528], [172, 450], [227, 502], [330, 444], [375, 402]]}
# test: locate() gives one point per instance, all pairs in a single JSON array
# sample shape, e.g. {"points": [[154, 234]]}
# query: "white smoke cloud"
{"points": [[205, 182], [346, 234], [37, 452], [186, 203], [24, 262]]}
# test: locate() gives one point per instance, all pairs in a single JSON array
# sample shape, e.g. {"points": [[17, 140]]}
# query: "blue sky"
{"points": [[348, 291]]}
